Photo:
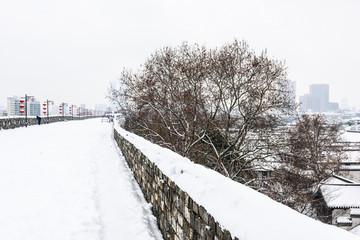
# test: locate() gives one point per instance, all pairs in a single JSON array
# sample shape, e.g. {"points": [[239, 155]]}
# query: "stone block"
{"points": [[169, 182], [187, 214], [195, 208], [173, 223], [181, 206], [219, 231], [227, 235], [176, 201], [180, 219], [203, 214], [211, 222], [190, 233], [162, 205], [185, 227], [192, 218], [188, 200], [198, 223], [210, 234], [179, 231], [168, 216]]}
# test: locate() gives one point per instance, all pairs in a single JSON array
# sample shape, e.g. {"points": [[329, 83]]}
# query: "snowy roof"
{"points": [[352, 156], [351, 136], [352, 167], [344, 220], [345, 195], [336, 179], [355, 212], [246, 213]]}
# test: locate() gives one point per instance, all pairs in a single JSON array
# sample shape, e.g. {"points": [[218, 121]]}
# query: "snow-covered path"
{"points": [[69, 181]]}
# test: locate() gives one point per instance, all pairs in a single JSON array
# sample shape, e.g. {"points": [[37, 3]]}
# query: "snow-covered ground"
{"points": [[69, 181], [247, 214]]}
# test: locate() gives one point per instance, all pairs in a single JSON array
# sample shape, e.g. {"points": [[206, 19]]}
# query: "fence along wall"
{"points": [[178, 215], [14, 122]]}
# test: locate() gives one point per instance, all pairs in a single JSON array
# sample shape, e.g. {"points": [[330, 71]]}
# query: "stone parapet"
{"points": [[178, 215], [15, 122]]}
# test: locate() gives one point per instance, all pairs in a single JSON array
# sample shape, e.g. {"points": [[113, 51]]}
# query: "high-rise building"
{"points": [[33, 107], [3, 113], [13, 106], [305, 102], [320, 97], [344, 104], [317, 100]]}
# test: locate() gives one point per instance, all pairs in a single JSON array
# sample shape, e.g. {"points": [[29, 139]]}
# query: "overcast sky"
{"points": [[70, 50]]}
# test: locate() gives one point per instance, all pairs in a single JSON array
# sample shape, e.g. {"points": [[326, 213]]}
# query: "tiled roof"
{"points": [[344, 220], [355, 212], [338, 192]]}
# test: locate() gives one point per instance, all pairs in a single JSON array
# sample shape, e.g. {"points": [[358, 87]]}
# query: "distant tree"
{"points": [[214, 106], [310, 155]]}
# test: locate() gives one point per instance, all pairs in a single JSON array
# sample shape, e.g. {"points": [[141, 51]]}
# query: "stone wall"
{"points": [[178, 215], [14, 122]]}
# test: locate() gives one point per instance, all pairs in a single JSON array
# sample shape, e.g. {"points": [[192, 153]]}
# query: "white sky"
{"points": [[70, 50]]}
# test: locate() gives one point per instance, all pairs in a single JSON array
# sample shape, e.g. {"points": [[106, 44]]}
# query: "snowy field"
{"points": [[69, 181]]}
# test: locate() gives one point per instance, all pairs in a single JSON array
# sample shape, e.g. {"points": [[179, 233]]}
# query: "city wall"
{"points": [[15, 122], [178, 215]]}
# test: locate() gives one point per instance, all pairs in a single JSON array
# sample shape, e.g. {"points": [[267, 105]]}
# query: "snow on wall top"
{"points": [[247, 214]]}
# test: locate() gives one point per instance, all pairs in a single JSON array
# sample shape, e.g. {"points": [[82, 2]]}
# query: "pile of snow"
{"points": [[247, 214]]}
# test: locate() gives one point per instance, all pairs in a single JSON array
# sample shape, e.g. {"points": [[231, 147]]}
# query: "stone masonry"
{"points": [[9, 123], [178, 215]]}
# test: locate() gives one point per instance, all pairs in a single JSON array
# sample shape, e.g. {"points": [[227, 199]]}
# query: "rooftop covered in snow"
{"points": [[339, 192]]}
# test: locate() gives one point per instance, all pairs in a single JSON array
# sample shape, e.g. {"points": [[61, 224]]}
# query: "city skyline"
{"points": [[16, 106], [70, 51]]}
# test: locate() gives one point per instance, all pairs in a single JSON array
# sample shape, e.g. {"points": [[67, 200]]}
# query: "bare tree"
{"points": [[216, 106], [310, 155]]}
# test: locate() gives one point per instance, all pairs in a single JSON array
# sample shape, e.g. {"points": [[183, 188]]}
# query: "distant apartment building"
{"points": [[344, 104], [305, 102], [320, 97], [13, 106], [3, 113], [33, 107], [317, 100]]}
